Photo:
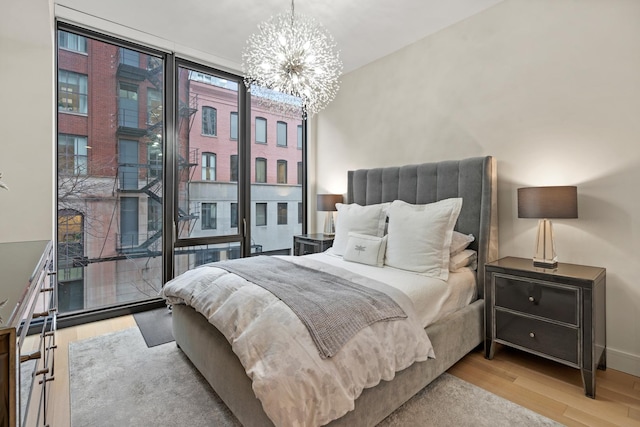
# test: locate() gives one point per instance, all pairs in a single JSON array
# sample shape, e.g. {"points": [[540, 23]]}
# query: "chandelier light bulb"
{"points": [[295, 57]]}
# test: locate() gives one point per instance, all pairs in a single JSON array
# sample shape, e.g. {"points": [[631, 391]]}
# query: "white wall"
{"points": [[26, 120], [551, 88]]}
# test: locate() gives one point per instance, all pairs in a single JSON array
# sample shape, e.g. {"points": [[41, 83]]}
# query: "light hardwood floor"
{"points": [[546, 387]]}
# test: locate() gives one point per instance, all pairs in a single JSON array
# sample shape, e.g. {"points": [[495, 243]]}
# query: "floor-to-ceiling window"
{"points": [[109, 137], [207, 158]]}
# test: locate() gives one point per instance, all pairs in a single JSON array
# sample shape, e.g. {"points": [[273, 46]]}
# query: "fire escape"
{"points": [[136, 178]]}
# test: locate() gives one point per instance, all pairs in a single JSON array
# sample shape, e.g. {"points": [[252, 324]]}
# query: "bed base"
{"points": [[211, 354]]}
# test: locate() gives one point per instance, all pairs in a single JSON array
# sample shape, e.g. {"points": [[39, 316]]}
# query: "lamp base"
{"points": [[329, 226], [545, 264], [545, 251]]}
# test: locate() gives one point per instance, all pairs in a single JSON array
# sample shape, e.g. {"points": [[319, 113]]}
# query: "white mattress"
{"points": [[432, 298]]}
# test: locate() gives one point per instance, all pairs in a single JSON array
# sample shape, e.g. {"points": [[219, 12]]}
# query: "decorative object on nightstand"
{"points": [[305, 244], [558, 314], [327, 203], [545, 203]]}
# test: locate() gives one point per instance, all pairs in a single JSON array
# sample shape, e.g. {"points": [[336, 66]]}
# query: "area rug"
{"points": [[155, 326], [116, 380]]}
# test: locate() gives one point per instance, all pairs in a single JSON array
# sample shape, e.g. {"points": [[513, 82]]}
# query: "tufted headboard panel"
{"points": [[472, 179]]}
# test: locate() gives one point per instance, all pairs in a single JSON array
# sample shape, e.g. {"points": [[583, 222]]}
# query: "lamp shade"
{"points": [[327, 202], [548, 202]]}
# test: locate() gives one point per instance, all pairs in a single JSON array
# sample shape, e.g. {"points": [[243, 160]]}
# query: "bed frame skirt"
{"points": [[452, 338]]}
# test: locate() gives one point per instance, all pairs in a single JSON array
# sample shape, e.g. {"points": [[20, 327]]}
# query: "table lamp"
{"points": [[545, 203], [327, 202]]}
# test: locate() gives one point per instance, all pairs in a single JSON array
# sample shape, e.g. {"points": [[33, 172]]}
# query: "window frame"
{"points": [[208, 167], [233, 126], [211, 222], [283, 213], [281, 175], [262, 222], [210, 116], [281, 133], [260, 160], [257, 134], [80, 95]]}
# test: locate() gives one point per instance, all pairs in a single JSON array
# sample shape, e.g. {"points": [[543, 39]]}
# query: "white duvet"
{"points": [[294, 384]]}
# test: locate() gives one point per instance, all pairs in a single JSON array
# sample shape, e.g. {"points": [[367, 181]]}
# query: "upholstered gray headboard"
{"points": [[473, 179]]}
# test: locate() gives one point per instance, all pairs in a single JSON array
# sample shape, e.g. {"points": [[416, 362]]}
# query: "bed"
{"points": [[452, 336]]}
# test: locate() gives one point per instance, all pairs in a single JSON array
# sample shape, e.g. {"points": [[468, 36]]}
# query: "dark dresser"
{"points": [[555, 313], [28, 285]]}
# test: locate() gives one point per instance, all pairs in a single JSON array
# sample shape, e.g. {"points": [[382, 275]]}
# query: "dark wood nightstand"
{"points": [[305, 244], [555, 313]]}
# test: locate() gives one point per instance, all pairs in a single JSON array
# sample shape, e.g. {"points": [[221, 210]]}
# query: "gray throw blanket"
{"points": [[332, 308]]}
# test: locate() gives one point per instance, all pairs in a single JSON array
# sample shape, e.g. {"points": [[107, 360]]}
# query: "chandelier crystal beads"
{"points": [[294, 59]]}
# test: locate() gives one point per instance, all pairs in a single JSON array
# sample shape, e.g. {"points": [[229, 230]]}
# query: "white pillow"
{"points": [[420, 236], [365, 249], [459, 242], [367, 220], [466, 258]]}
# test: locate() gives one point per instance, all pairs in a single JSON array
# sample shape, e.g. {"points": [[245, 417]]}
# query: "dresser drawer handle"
{"points": [[532, 335], [532, 299]]}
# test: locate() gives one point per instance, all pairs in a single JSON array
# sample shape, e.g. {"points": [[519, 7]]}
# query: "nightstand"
{"points": [[305, 244], [555, 313]]}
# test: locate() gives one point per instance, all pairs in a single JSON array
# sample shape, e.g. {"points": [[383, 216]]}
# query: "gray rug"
{"points": [[116, 380]]}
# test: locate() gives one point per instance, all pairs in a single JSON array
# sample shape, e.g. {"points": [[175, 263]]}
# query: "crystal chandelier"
{"points": [[291, 66]]}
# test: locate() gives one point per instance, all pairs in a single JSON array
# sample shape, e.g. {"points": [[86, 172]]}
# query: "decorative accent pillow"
{"points": [[367, 220], [459, 242], [420, 236], [365, 249], [466, 258]]}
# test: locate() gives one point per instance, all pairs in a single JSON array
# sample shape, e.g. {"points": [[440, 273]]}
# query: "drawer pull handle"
{"points": [[532, 335], [532, 299]]}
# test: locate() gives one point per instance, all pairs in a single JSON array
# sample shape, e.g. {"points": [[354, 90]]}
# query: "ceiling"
{"points": [[364, 30]]}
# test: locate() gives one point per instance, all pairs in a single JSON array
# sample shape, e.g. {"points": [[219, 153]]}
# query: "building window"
{"points": [[154, 106], [208, 167], [129, 222], [282, 134], [234, 126], [154, 215], [234, 168], [261, 214], [234, 215], [72, 154], [282, 171], [282, 213], [129, 57], [261, 169], [128, 105], [71, 41], [209, 121], [300, 173], [261, 130], [72, 92], [300, 137], [206, 256], [154, 154], [209, 216], [299, 212]]}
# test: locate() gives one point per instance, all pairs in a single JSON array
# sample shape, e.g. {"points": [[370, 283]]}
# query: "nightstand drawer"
{"points": [[540, 299], [537, 335]]}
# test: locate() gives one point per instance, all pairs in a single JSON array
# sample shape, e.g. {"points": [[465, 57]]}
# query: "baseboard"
{"points": [[622, 361]]}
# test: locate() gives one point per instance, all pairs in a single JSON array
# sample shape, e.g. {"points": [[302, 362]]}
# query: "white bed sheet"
{"points": [[432, 298]]}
